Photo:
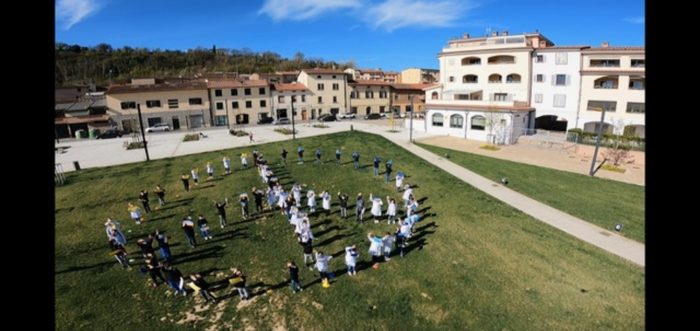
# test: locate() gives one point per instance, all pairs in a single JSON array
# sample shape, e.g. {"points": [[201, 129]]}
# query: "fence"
{"points": [[607, 140], [59, 177]]}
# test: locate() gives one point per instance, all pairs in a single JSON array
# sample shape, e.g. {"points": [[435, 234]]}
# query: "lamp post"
{"points": [[597, 141], [143, 135], [410, 136], [294, 131]]}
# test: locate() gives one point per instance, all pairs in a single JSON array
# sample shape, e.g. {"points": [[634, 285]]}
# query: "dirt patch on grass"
{"points": [[431, 312]]}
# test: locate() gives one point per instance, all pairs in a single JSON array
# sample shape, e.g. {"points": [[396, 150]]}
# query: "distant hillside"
{"points": [[77, 64]]}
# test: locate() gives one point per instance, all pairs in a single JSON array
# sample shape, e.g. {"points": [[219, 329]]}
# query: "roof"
{"points": [[168, 86], [621, 49], [290, 87], [555, 48], [233, 83], [323, 71], [82, 105], [371, 70], [368, 82], [411, 86], [82, 119], [294, 72], [429, 106]]}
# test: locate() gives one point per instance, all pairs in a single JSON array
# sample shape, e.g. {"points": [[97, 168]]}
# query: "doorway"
{"points": [[176, 123]]}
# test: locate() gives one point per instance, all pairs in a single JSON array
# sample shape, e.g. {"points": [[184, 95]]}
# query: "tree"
{"points": [[497, 127]]}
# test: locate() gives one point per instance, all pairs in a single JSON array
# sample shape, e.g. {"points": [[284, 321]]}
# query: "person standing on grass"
{"points": [[240, 284], [306, 242], [311, 201], [402, 236], [174, 278], [375, 249], [399, 180], [210, 170], [351, 256], [195, 175], [188, 228], [375, 164], [258, 197], [296, 191], [227, 165], [221, 210], [343, 198], [146, 246], [412, 206], [408, 191], [388, 242], [160, 193], [203, 286], [318, 155], [243, 199], [153, 266], [388, 168], [119, 253], [143, 197], [359, 207], [322, 267], [185, 182], [300, 152], [255, 157], [337, 156], [163, 246], [294, 277], [203, 225], [391, 210], [284, 156], [134, 212], [244, 160], [114, 231], [356, 159], [376, 207], [326, 202]]}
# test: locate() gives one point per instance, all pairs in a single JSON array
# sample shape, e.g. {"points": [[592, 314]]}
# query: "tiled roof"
{"points": [[617, 48], [81, 119], [368, 82], [128, 88], [399, 86], [478, 107], [233, 83], [554, 48], [322, 71], [290, 87]]}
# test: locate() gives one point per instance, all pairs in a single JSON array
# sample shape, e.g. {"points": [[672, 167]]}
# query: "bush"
{"points": [[285, 131], [238, 133], [610, 167], [191, 137], [320, 126], [489, 147], [133, 145]]}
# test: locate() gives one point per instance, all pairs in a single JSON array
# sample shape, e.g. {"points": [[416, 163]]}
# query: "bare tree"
{"points": [[497, 127]]}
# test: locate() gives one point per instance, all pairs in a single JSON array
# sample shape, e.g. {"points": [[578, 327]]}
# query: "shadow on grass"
{"points": [[198, 254]]}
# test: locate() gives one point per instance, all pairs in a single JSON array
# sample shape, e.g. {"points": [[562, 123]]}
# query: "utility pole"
{"points": [[294, 131], [143, 134], [597, 141], [410, 136]]}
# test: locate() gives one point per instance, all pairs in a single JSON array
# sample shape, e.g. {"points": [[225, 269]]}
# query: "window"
{"points": [[173, 103], [539, 59], [452, 79], [500, 96], [318, 77], [369, 94], [594, 105], [217, 93], [382, 109], [280, 99], [635, 107], [434, 96], [353, 95], [320, 99], [234, 91], [249, 104], [263, 103], [303, 98], [538, 98], [129, 105], [261, 91], [470, 61], [470, 79], [539, 78], [437, 120], [152, 103], [382, 94], [319, 86], [607, 82], [561, 58], [501, 59], [220, 120], [605, 63], [333, 76], [513, 78], [335, 86], [246, 91], [219, 105], [560, 80], [353, 110], [560, 100], [234, 105], [636, 83], [195, 101], [638, 63], [456, 121], [495, 78], [335, 99], [478, 123]]}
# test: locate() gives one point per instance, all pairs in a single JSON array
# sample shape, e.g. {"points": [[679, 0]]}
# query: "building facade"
{"points": [[402, 95], [613, 78], [369, 96], [239, 101], [282, 96], [329, 91], [419, 76]]}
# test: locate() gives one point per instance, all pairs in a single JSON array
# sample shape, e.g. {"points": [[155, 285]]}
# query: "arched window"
{"points": [[606, 82], [513, 78], [434, 96], [502, 59], [437, 119], [479, 123], [495, 78], [456, 121], [469, 79], [470, 61]]}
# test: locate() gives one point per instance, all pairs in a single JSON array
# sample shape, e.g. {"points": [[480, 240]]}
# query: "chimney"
{"points": [[504, 33], [466, 36], [494, 34], [604, 44]]}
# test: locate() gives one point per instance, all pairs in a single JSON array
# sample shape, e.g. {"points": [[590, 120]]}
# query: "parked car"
{"points": [[373, 116], [266, 120], [160, 127], [327, 118], [346, 116], [110, 133], [283, 121]]}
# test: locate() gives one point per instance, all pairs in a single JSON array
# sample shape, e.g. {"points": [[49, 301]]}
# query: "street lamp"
{"points": [[294, 132], [597, 141], [143, 135], [410, 136]]}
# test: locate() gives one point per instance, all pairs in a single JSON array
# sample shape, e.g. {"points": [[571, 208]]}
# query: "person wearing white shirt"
{"points": [[351, 255], [311, 197], [391, 211], [326, 202], [399, 180], [376, 207], [407, 193], [322, 267], [227, 165], [296, 191], [388, 242], [375, 248]]}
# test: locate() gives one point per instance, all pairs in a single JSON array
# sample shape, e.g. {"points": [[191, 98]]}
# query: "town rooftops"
{"points": [[631, 49], [560, 48], [324, 71], [368, 82], [234, 83], [290, 87], [431, 106], [165, 86], [412, 86]]}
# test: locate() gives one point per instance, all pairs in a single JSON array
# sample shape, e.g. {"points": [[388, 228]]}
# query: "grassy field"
{"points": [[600, 201], [474, 263]]}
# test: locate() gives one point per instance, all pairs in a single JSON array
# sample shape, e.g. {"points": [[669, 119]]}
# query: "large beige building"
{"points": [[239, 101], [613, 78], [282, 97], [369, 96], [418, 76], [179, 104], [405, 94], [328, 90]]}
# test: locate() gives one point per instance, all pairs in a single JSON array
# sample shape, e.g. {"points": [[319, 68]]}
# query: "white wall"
{"points": [[549, 69], [466, 130]]}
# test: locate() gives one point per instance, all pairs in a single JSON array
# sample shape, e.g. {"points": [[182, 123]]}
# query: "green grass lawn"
{"points": [[483, 265], [600, 201]]}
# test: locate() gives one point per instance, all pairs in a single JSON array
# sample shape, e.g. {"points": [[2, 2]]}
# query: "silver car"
{"points": [[160, 127]]}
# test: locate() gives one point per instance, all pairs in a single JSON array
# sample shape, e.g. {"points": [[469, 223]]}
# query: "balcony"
{"points": [[605, 64]]}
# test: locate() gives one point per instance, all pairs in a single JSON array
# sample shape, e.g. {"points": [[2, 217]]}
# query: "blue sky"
{"points": [[386, 34]]}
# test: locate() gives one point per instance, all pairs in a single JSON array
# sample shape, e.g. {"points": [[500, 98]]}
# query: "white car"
{"points": [[160, 127], [346, 116]]}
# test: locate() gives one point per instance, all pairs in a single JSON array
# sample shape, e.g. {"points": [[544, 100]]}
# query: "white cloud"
{"points": [[635, 20], [394, 14], [303, 9], [71, 12]]}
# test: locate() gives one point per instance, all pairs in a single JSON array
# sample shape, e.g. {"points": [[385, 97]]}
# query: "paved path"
{"points": [[98, 153]]}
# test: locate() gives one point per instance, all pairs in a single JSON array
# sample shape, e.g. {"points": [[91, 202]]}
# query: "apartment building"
{"points": [[329, 91], [402, 95], [613, 78], [484, 90], [282, 97], [179, 104], [419, 76], [556, 85], [239, 101], [369, 96]]}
